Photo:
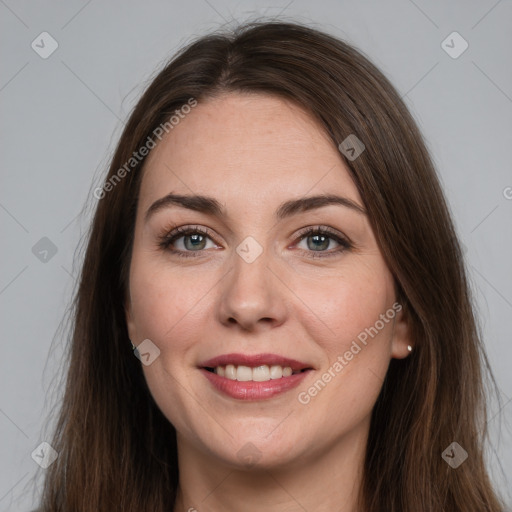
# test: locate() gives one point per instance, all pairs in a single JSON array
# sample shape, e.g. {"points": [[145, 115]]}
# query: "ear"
{"points": [[401, 334]]}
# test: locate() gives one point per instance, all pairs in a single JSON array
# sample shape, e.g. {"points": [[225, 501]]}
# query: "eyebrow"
{"points": [[210, 206]]}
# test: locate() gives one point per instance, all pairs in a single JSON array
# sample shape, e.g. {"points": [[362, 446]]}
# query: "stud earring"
{"points": [[409, 348]]}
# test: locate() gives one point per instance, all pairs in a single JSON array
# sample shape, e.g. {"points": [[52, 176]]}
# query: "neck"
{"points": [[323, 481]]}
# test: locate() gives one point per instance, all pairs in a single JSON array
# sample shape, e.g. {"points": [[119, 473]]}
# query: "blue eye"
{"points": [[319, 238], [195, 235], [195, 241]]}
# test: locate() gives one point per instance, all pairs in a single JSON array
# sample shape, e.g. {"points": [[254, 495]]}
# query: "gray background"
{"points": [[61, 117]]}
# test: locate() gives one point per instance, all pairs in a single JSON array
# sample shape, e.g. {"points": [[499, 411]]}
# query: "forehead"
{"points": [[242, 148]]}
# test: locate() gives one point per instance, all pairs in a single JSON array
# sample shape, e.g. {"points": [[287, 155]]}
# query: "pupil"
{"points": [[195, 238], [316, 239]]}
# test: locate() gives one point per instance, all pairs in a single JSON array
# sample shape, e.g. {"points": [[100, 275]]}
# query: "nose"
{"points": [[252, 295]]}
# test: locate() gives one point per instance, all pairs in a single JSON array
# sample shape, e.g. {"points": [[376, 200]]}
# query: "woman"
{"points": [[273, 243]]}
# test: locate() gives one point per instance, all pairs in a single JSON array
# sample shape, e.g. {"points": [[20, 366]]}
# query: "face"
{"points": [[257, 290]]}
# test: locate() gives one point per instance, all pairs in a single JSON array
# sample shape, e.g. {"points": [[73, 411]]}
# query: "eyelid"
{"points": [[323, 229]]}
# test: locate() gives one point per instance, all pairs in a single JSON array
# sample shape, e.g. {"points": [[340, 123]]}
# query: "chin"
{"points": [[255, 451]]}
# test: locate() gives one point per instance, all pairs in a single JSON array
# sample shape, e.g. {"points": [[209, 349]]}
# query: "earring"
{"points": [[409, 348]]}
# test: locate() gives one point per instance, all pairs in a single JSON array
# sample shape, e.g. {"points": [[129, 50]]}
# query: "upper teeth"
{"points": [[258, 374]]}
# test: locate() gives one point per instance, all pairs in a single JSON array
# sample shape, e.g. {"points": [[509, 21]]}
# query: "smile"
{"points": [[255, 377]]}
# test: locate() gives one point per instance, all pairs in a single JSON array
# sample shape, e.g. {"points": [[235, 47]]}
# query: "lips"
{"points": [[287, 375]]}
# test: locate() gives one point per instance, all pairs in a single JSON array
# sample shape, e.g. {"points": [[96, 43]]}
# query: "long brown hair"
{"points": [[116, 449]]}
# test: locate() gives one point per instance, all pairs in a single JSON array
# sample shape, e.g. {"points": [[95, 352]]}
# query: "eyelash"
{"points": [[166, 240]]}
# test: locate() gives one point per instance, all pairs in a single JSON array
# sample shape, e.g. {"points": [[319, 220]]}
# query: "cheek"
{"points": [[354, 329], [165, 301], [167, 309], [347, 306], [362, 318]]}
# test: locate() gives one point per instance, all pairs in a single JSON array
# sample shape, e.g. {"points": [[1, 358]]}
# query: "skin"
{"points": [[252, 152]]}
